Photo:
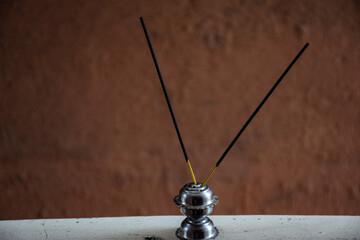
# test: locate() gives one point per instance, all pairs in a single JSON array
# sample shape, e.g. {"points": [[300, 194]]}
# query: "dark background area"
{"points": [[85, 130]]}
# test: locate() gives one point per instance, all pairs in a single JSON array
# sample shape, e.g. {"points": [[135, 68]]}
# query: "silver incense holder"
{"points": [[196, 202]]}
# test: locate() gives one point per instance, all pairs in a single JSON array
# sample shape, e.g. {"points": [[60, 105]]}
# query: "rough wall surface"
{"points": [[85, 130]]}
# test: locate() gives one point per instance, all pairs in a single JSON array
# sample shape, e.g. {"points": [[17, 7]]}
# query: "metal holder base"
{"points": [[197, 230]]}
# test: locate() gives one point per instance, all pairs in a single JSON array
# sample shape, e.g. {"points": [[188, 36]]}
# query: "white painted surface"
{"points": [[163, 227]]}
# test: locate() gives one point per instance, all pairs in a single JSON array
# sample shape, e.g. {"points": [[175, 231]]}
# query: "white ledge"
{"points": [[164, 227]]}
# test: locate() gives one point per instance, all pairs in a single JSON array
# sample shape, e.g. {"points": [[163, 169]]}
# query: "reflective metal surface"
{"points": [[196, 202]]}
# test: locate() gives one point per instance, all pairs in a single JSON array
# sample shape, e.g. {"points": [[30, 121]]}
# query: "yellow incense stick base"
{"points": [[192, 173], [212, 171]]}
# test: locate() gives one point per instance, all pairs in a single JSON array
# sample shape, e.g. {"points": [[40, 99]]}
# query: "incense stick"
{"points": [[167, 99], [255, 112]]}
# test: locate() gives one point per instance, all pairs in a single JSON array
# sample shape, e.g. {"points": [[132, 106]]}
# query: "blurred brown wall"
{"points": [[85, 130]]}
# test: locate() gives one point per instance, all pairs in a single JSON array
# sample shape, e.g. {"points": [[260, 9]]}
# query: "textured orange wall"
{"points": [[85, 130]]}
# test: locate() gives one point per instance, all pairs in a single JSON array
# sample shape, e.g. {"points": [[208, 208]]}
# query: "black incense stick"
{"points": [[167, 97], [256, 110]]}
